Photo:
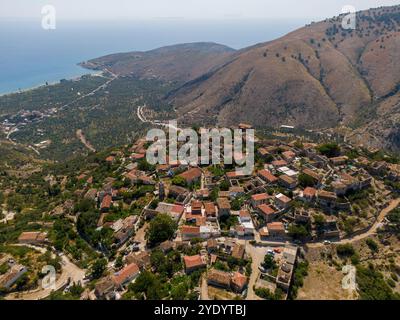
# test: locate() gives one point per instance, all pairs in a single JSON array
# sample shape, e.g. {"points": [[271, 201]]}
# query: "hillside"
{"points": [[180, 63], [319, 76]]}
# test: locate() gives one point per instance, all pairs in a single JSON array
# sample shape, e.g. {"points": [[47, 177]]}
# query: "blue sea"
{"points": [[31, 56]]}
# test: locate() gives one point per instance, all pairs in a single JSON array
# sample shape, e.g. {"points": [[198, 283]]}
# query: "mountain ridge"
{"points": [[320, 76]]}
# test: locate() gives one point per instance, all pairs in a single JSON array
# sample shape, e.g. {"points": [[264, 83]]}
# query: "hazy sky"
{"points": [[184, 9]]}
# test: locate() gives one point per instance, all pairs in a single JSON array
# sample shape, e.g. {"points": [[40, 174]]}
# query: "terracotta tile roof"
{"points": [[312, 174], [263, 151], [212, 243], [339, 159], [275, 226], [223, 203], [106, 202], [196, 205], [193, 261], [235, 174], [288, 154], [287, 179], [281, 197], [190, 229], [327, 195], [309, 192], [268, 176], [244, 213], [265, 209], [238, 251], [264, 232], [32, 236], [279, 163], [219, 277], [260, 197], [209, 208], [191, 174], [177, 190], [138, 156], [239, 280], [200, 221], [177, 208], [130, 270], [142, 259]]}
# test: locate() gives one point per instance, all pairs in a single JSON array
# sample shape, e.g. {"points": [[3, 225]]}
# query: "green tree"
{"points": [[179, 181], [345, 250], [224, 185], [305, 180], [372, 245], [148, 284], [98, 268], [372, 286], [329, 149], [161, 228], [269, 262], [298, 231]]}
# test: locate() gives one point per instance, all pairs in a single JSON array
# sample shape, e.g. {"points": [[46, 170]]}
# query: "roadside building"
{"points": [[8, 279], [276, 230]]}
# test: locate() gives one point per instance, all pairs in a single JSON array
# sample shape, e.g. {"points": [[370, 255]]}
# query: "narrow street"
{"points": [[257, 255]]}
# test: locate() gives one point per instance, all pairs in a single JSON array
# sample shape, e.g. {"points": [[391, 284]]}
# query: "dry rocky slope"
{"points": [[180, 63], [319, 76]]}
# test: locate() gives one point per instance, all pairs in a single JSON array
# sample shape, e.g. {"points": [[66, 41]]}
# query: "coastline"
{"points": [[85, 72]]}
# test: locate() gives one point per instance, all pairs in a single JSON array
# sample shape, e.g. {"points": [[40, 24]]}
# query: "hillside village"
{"points": [[174, 231]]}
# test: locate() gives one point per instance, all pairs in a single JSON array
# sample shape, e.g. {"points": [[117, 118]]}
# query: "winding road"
{"points": [[70, 273]]}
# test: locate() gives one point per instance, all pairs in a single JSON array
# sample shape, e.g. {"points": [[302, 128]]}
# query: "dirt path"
{"points": [[204, 289], [85, 142]]}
